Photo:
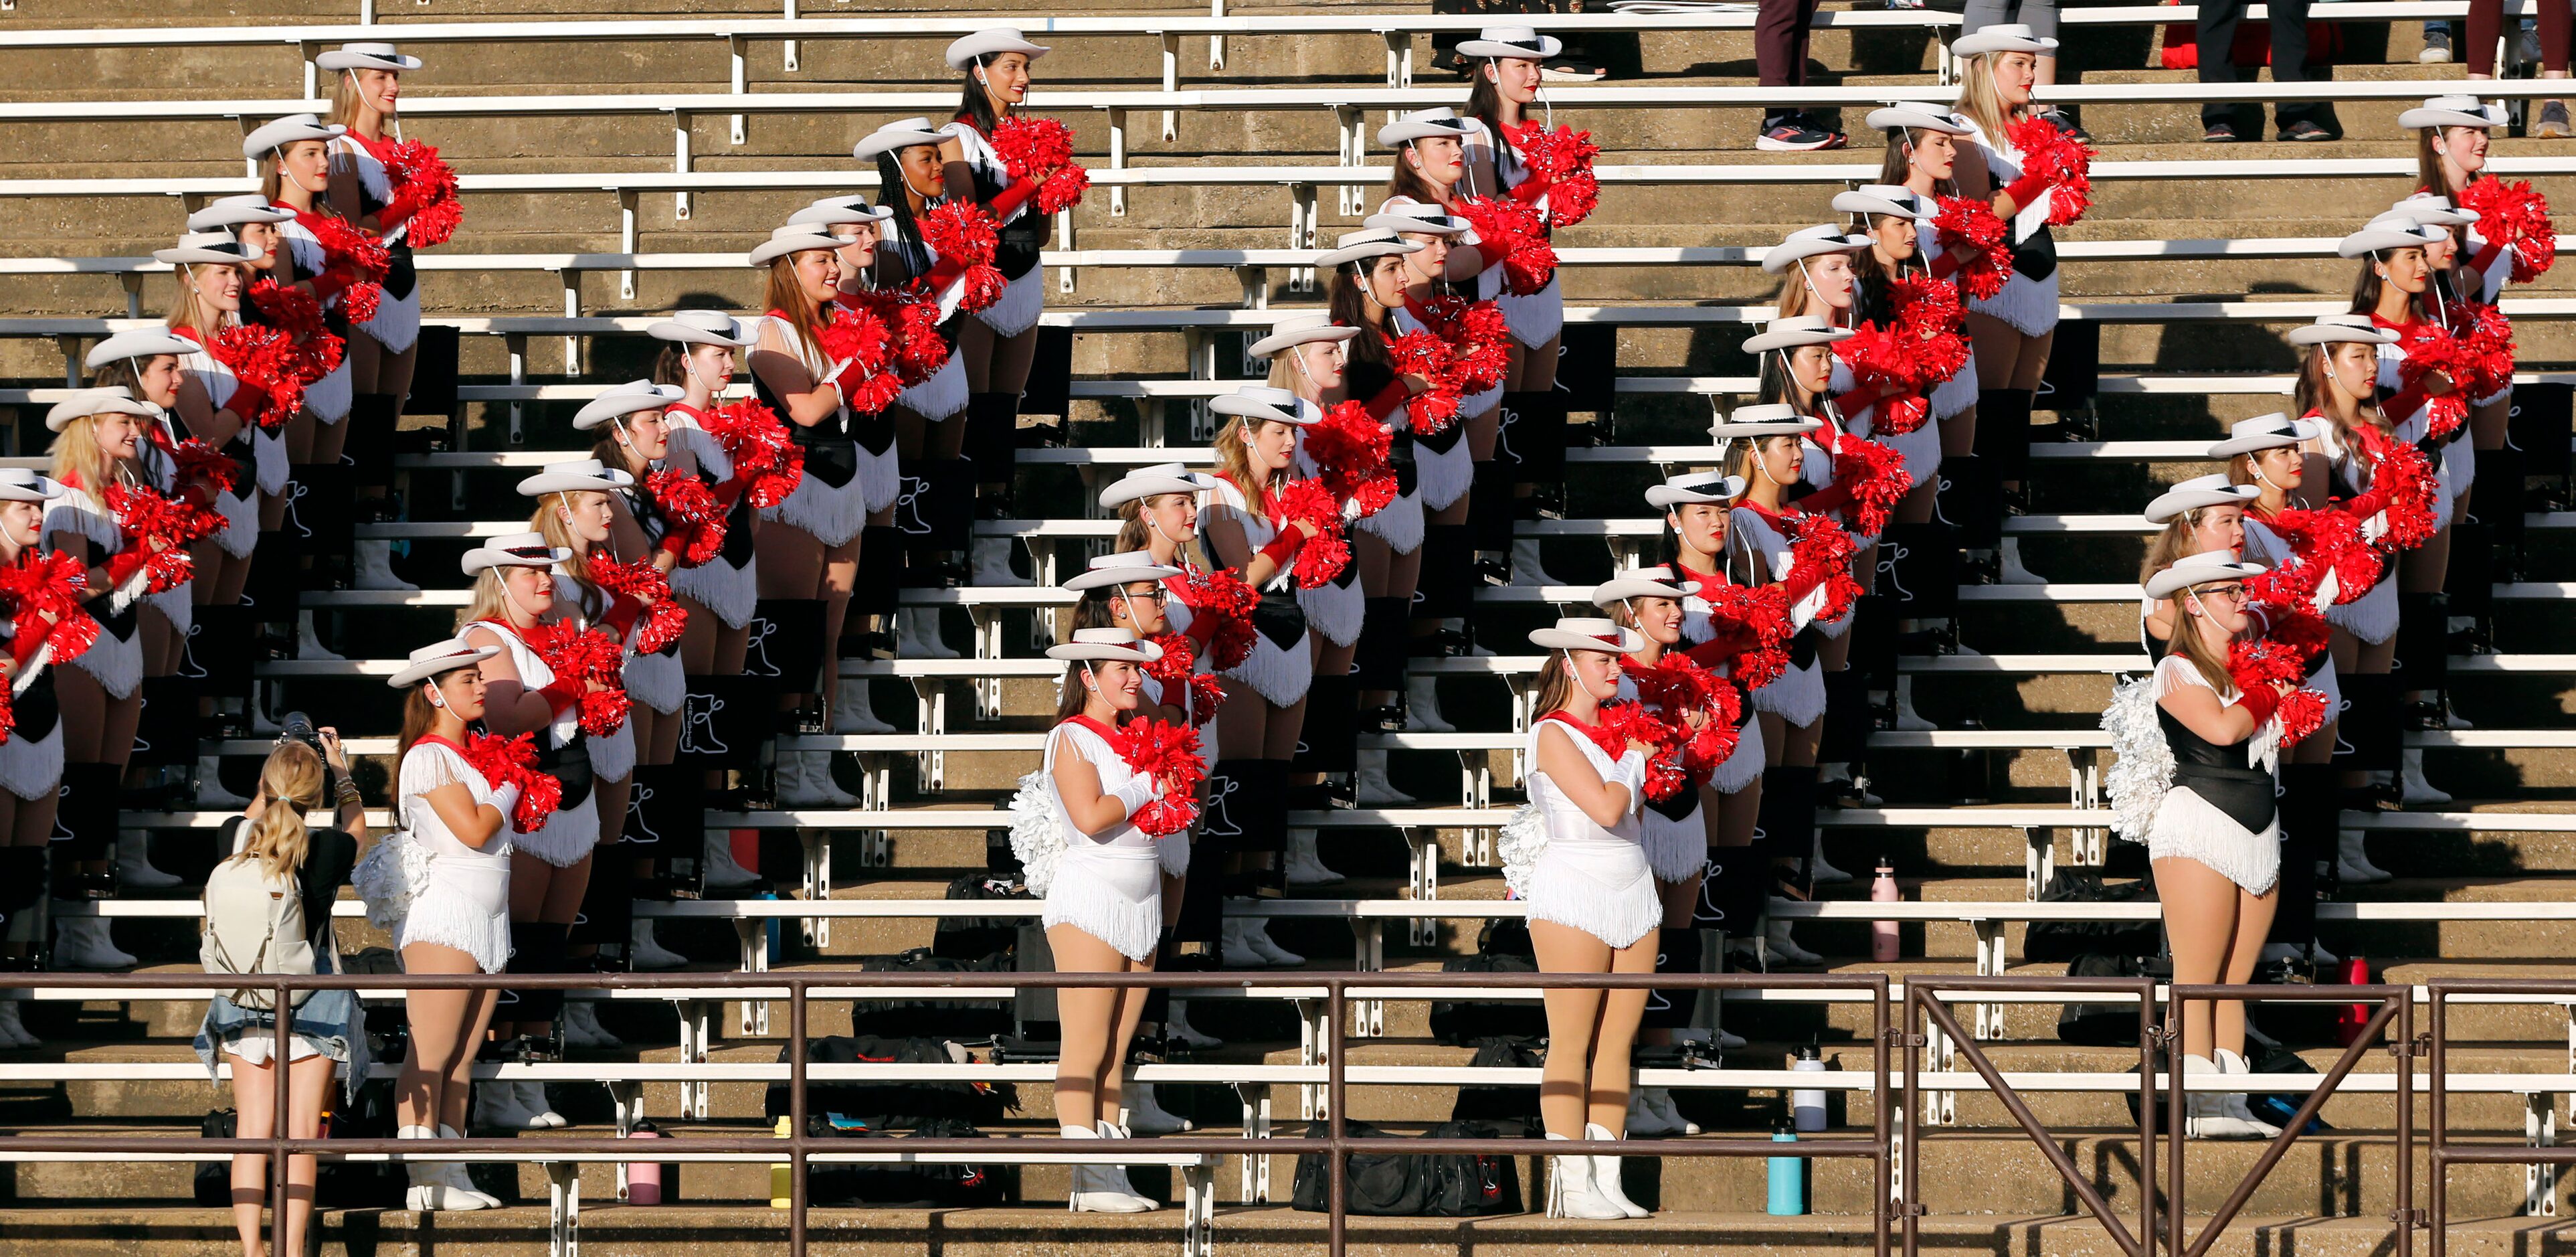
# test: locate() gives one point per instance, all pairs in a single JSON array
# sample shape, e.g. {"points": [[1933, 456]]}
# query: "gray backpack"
{"points": [[254, 924]]}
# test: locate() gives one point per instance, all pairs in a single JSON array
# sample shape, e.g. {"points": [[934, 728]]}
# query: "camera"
{"points": [[295, 726]]}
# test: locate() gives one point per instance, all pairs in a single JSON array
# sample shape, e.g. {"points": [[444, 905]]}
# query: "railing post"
{"points": [[279, 1134], [2437, 1125], [796, 1201], [1336, 1002]]}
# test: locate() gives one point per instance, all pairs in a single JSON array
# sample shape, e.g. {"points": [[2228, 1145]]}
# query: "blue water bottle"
{"points": [[1788, 1177]]}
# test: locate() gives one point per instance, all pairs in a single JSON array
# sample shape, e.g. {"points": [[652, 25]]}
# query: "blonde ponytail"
{"points": [[291, 781]]}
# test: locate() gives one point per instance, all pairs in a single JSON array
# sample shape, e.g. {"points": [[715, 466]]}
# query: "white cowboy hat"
{"points": [[22, 484], [1106, 645], [1917, 118], [2198, 492], [287, 130], [2262, 433], [1807, 242], [439, 657], [990, 43], [909, 133], [582, 475], [1258, 403], [1882, 198], [1420, 219], [1642, 582], [1120, 570], [1768, 419], [621, 400], [1698, 486], [1423, 124], [795, 239], [2331, 329], [98, 401], [704, 327], [1376, 242], [1796, 330], [2209, 567], [1286, 335], [2388, 231], [2453, 111], [1518, 43], [2002, 37], [145, 343], [1154, 481], [213, 247], [518, 549], [233, 211], [828, 210], [1588, 633], [366, 57], [2426, 207]]}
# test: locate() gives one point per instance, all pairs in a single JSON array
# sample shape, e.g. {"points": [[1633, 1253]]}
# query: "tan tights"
{"points": [[446, 1030], [1589, 1032], [2216, 930], [1097, 1023]]}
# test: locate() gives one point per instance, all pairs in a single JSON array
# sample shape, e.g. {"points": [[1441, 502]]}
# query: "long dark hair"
{"points": [[974, 104], [1484, 102], [894, 194], [1349, 306], [1403, 180], [1898, 164], [2366, 292]]}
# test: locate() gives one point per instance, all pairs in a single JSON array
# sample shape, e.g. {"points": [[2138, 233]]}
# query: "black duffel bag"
{"points": [[922, 1185], [891, 1104], [2066, 940], [1412, 1185], [974, 938], [1465, 1021], [932, 1014]]}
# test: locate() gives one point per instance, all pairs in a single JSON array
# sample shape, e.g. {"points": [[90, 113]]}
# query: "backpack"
{"points": [[1465, 1021], [932, 1015], [892, 1104], [934, 1185], [1413, 1185], [254, 924]]}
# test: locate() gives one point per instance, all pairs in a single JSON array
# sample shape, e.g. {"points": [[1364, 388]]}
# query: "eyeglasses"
{"points": [[1158, 595], [2224, 591]]}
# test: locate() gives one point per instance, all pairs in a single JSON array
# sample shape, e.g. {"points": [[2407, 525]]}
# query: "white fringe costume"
{"points": [[1106, 885], [2027, 305], [569, 834], [2173, 821], [424, 884], [1571, 870]]}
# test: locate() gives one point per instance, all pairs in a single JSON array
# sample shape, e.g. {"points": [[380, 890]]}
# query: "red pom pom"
{"points": [[1350, 452], [1478, 336], [591, 655], [919, 350], [1973, 223], [2509, 211], [1928, 317], [355, 254], [665, 617], [1321, 559], [1515, 232], [1223, 596], [513, 761], [51, 583], [1563, 160], [1820, 557], [1878, 481], [1169, 754], [316, 348], [2065, 161], [269, 369], [1679, 687], [1757, 617], [2402, 470], [857, 336], [426, 185], [687, 505], [1030, 145], [963, 233], [768, 462]]}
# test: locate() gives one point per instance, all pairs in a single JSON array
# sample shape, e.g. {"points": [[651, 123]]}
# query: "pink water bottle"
{"points": [[1882, 934], [644, 1178]]}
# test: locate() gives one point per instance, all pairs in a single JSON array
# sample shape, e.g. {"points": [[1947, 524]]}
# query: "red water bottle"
{"points": [[2348, 1023]]}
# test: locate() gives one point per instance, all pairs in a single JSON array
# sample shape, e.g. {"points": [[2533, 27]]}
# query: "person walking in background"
{"points": [[2298, 120]]}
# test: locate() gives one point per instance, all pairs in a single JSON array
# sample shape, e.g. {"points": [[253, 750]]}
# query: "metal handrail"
{"points": [[1336, 1145]]}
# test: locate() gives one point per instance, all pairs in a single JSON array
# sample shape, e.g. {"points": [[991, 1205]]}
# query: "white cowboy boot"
{"points": [[1177, 1029], [460, 1185], [722, 871], [13, 1031], [1570, 1193], [1234, 949], [1784, 948], [2206, 1114], [84, 943], [582, 1028], [2352, 861], [375, 567], [541, 1113], [1907, 718], [2236, 1101], [210, 786], [643, 951], [1101, 1188], [1152, 1118], [917, 634], [1256, 934], [2011, 572], [1644, 1120], [497, 1107], [1371, 788], [1422, 705], [1526, 571], [1305, 867], [851, 712], [1820, 872], [992, 564], [1605, 1175], [134, 862], [2411, 783]]}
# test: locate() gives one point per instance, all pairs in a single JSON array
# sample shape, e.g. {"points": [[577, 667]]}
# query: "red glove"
{"points": [[32, 632], [1284, 547], [331, 283], [1532, 189], [562, 693], [2027, 189], [623, 610], [2487, 254], [1395, 394], [2259, 702], [1009, 200], [1944, 264]]}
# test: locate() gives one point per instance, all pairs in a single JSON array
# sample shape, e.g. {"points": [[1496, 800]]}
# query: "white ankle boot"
{"points": [[459, 1183], [2411, 784], [1144, 1114], [917, 634], [1371, 788], [13, 1031], [210, 786], [1101, 1188], [806, 781], [438, 1185], [851, 712], [722, 871], [1256, 935], [2238, 1106], [374, 567], [1570, 1192], [1526, 571], [1784, 948], [1422, 705], [1305, 867], [308, 645], [582, 1028], [1820, 872], [1236, 950], [134, 862], [1177, 1029], [992, 564], [1605, 1176], [2352, 861], [84, 943], [497, 1107], [643, 951], [1661, 1101], [2206, 1113], [2011, 571], [541, 1113], [1906, 717]]}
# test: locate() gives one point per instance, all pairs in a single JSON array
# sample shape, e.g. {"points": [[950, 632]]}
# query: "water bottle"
{"points": [[1806, 1106], [782, 1179], [1883, 946], [644, 1178], [1788, 1178]]}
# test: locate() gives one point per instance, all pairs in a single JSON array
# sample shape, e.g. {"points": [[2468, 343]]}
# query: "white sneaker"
{"points": [[1776, 934], [1177, 1029], [723, 872], [2011, 571], [1305, 867], [497, 1107], [1820, 872], [643, 951], [1570, 1192], [1234, 949], [1605, 1175], [541, 1113], [375, 567], [2411, 784], [851, 712], [1422, 705], [210, 787], [134, 862], [2352, 860], [1371, 788], [582, 1028], [1526, 571], [992, 564], [1146, 1115], [14, 1035], [84, 943], [917, 634], [1907, 718], [1256, 934]]}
